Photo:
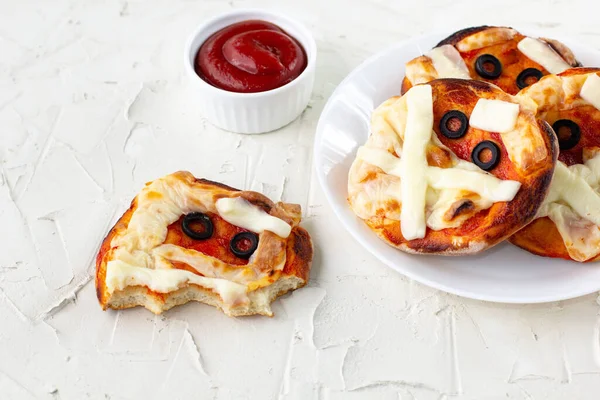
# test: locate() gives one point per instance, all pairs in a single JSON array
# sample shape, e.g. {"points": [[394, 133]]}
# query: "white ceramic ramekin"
{"points": [[252, 112]]}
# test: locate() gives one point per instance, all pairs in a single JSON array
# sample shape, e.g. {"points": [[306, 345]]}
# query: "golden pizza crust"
{"points": [[298, 251], [557, 98], [482, 228]]}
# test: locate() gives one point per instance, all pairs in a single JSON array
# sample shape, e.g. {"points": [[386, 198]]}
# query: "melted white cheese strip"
{"points": [[569, 186], [159, 205], [485, 185], [208, 266], [380, 158], [573, 205], [419, 123], [543, 54], [494, 115], [120, 275], [448, 62], [590, 91], [240, 212], [580, 236]]}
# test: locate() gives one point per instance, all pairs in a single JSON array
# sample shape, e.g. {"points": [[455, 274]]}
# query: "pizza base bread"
{"points": [[457, 57], [466, 223], [271, 281], [558, 98]]}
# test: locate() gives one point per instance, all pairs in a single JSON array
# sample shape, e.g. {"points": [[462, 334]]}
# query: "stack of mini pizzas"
{"points": [[496, 136]]}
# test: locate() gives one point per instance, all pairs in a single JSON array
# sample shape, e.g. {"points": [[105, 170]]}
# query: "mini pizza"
{"points": [[452, 167], [498, 55], [187, 239], [569, 219]]}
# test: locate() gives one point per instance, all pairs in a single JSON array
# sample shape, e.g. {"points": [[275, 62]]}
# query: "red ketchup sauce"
{"points": [[250, 56]]}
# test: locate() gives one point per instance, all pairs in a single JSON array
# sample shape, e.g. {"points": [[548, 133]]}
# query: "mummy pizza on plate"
{"points": [[452, 167], [569, 219], [498, 55], [187, 239]]}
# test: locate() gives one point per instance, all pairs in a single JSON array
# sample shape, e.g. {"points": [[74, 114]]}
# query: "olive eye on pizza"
{"points": [[452, 167], [498, 55], [569, 219], [186, 239]]}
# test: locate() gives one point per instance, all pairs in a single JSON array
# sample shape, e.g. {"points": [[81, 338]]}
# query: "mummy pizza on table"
{"points": [[498, 55], [452, 167], [569, 223], [187, 239]]}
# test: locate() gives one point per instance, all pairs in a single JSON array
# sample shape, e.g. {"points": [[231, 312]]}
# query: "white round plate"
{"points": [[505, 273]]}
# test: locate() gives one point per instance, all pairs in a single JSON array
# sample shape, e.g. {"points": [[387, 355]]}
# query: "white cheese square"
{"points": [[494, 116], [448, 62], [590, 91], [542, 53]]}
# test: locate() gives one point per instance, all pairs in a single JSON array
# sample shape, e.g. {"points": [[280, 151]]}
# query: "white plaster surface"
{"points": [[93, 103]]}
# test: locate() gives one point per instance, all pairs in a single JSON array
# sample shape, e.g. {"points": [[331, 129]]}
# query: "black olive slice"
{"points": [[526, 74], [447, 127], [480, 65], [574, 133], [244, 244], [202, 219], [494, 159]]}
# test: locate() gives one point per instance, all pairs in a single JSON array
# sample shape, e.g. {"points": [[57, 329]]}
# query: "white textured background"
{"points": [[93, 103]]}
